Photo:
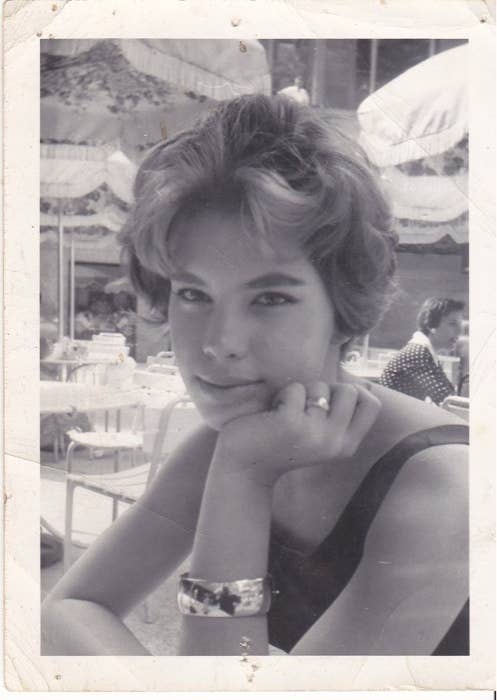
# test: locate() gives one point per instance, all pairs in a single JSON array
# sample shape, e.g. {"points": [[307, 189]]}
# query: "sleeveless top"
{"points": [[308, 585]]}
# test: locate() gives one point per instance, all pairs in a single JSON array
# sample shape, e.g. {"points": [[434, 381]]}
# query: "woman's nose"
{"points": [[224, 336]]}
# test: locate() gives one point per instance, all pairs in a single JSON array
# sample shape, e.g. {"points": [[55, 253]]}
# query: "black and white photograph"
{"points": [[255, 386], [297, 291]]}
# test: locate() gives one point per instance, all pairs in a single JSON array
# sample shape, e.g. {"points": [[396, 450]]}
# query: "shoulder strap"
{"points": [[307, 586], [359, 513]]}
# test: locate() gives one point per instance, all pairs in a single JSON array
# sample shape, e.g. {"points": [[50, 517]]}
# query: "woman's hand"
{"points": [[295, 433]]}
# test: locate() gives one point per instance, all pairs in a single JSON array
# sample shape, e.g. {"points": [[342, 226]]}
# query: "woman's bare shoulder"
{"points": [[424, 517], [430, 492], [413, 576], [405, 414], [414, 570]]}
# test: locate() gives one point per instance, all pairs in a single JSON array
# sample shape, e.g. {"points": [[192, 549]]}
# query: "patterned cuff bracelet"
{"points": [[225, 599]]}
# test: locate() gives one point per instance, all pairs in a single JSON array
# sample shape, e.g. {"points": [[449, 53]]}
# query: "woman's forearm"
{"points": [[83, 628], [231, 543]]}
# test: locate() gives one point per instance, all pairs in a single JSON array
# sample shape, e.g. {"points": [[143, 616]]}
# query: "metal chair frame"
{"points": [[114, 442], [459, 405], [124, 486]]}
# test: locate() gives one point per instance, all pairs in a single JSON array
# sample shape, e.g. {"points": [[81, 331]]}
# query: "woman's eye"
{"points": [[192, 295], [273, 299]]}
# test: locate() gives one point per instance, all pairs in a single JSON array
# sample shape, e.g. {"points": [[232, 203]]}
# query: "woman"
{"points": [[416, 370], [324, 515]]}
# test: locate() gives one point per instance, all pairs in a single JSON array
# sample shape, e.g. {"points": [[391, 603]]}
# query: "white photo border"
{"points": [[24, 25]]}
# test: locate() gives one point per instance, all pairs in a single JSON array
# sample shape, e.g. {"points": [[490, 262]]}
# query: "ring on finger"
{"points": [[321, 402]]}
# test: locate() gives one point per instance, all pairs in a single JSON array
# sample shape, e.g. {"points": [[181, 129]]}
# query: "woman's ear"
{"points": [[346, 346]]}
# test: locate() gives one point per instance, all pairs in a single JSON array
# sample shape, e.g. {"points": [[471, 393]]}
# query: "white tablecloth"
{"points": [[62, 397]]}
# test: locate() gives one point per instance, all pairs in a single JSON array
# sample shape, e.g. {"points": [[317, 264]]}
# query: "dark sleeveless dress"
{"points": [[308, 585]]}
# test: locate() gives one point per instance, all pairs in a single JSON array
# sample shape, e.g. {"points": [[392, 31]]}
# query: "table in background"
{"points": [[65, 367], [370, 372], [67, 397]]}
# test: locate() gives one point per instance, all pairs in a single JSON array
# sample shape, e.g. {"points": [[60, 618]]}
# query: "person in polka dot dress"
{"points": [[416, 370]]}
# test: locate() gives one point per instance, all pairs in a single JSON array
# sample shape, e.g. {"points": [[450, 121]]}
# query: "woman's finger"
{"points": [[290, 400], [317, 399], [343, 401]]}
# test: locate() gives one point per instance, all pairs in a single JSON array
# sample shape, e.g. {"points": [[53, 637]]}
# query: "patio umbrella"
{"points": [[136, 90], [86, 189], [69, 172], [421, 113], [415, 130]]}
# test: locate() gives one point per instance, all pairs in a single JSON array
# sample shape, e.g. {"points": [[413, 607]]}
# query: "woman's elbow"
{"points": [[50, 619], [64, 626]]}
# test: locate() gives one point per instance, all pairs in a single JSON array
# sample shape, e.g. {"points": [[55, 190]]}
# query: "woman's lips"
{"points": [[229, 391]]}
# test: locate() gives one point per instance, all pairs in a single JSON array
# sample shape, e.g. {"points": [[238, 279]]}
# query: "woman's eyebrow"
{"points": [[187, 278], [274, 279]]}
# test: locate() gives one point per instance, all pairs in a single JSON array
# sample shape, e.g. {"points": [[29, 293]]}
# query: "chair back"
{"points": [[86, 373], [450, 366], [166, 428], [164, 358], [385, 356], [162, 369], [459, 405]]}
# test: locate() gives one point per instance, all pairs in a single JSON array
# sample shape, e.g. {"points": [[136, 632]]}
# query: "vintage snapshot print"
{"points": [[249, 338]]}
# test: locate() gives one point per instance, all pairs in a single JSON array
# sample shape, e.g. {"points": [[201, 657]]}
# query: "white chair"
{"points": [[101, 357], [384, 357], [459, 405], [165, 357], [114, 441], [176, 419], [158, 377]]}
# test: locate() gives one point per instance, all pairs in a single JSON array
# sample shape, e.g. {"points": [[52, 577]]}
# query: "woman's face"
{"points": [[245, 321], [445, 336]]}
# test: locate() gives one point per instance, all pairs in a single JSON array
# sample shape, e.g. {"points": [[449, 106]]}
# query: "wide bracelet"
{"points": [[251, 596]]}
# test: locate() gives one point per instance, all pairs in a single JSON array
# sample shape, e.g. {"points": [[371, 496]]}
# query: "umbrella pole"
{"points": [[319, 72], [72, 287], [373, 67], [60, 227]]}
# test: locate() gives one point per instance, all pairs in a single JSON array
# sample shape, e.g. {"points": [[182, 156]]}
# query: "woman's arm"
{"points": [[231, 543], [83, 628], [83, 614], [252, 453], [413, 578]]}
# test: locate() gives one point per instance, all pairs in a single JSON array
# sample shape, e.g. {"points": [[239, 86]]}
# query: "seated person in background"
{"points": [[101, 315], [461, 350], [416, 370], [47, 372], [123, 316], [84, 324]]}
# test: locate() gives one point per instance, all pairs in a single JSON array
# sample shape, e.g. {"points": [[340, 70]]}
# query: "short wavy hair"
{"points": [[434, 310], [290, 173]]}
